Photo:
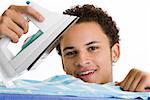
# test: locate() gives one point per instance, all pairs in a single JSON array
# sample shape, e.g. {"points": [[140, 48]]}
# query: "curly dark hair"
{"points": [[90, 13]]}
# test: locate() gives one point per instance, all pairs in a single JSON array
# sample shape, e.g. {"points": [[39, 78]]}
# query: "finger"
{"points": [[122, 84], [19, 31], [136, 81], [142, 85], [28, 10], [147, 90], [130, 80], [9, 33], [17, 18], [13, 26]]}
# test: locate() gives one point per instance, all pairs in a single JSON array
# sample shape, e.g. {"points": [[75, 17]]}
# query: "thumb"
{"points": [[118, 83]]}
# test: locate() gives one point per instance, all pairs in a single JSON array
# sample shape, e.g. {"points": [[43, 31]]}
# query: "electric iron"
{"points": [[37, 48]]}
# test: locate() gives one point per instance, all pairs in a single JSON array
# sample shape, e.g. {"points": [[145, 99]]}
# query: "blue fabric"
{"points": [[66, 85], [48, 97]]}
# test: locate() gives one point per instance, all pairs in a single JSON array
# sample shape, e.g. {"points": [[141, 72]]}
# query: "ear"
{"points": [[115, 52]]}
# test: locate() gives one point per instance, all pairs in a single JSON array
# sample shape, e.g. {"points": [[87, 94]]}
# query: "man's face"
{"points": [[86, 53]]}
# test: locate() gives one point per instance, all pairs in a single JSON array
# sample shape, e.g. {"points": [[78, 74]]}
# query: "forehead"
{"points": [[82, 33]]}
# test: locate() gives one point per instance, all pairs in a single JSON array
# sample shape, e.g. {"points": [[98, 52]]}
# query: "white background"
{"points": [[132, 18]]}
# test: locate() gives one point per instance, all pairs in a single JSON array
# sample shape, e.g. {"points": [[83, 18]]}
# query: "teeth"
{"points": [[87, 72]]}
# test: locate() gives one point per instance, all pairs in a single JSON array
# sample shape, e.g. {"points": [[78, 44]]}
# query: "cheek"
{"points": [[105, 67], [103, 59], [68, 66]]}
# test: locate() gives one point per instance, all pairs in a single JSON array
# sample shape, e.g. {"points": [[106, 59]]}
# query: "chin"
{"points": [[98, 81], [91, 81]]}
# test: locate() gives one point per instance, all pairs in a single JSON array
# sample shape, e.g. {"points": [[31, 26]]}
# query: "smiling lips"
{"points": [[86, 73]]}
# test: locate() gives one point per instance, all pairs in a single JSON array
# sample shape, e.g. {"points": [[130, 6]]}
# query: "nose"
{"points": [[83, 60]]}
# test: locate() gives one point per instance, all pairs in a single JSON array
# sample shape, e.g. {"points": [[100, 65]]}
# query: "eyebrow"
{"points": [[92, 42], [71, 47], [68, 48]]}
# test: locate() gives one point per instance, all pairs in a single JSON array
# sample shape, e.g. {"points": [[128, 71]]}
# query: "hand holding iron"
{"points": [[136, 80], [13, 24]]}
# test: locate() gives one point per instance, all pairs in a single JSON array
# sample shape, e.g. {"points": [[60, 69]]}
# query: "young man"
{"points": [[87, 49]]}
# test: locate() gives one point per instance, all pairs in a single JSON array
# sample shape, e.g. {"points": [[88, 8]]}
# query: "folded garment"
{"points": [[70, 86]]}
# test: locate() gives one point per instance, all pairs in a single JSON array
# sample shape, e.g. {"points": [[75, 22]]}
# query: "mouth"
{"points": [[83, 73], [86, 75]]}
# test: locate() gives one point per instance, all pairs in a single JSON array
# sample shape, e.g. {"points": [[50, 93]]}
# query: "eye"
{"points": [[70, 53], [93, 48]]}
